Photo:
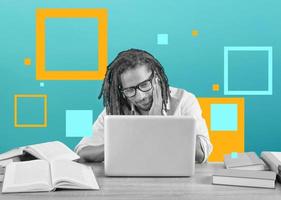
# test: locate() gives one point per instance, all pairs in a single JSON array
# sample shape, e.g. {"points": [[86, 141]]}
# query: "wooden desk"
{"points": [[197, 187]]}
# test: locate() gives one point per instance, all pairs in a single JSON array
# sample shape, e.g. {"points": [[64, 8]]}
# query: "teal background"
{"points": [[249, 66], [71, 44], [192, 63], [30, 110]]}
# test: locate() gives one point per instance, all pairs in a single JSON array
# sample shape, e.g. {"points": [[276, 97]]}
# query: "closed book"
{"points": [[245, 161], [273, 159], [279, 174], [263, 179]]}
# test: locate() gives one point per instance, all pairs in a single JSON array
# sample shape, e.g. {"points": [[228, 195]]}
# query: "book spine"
{"points": [[279, 174]]}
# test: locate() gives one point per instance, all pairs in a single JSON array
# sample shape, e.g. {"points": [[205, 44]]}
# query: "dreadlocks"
{"points": [[113, 100]]}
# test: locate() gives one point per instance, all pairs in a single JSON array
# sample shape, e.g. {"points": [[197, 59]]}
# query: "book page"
{"points": [[52, 151], [12, 153], [4, 163], [1, 177], [277, 155], [27, 176], [69, 174]]}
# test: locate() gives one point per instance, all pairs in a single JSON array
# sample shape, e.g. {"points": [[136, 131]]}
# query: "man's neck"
{"points": [[141, 112]]}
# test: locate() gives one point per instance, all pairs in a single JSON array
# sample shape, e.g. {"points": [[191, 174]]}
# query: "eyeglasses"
{"points": [[143, 86]]}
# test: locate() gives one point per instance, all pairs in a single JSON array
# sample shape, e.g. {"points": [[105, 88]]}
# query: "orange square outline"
{"points": [[42, 14], [17, 125]]}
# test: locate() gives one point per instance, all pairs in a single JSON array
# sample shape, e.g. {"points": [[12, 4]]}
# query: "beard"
{"points": [[145, 104], [145, 107]]}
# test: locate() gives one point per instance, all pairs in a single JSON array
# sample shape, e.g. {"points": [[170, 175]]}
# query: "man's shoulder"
{"points": [[182, 100], [179, 93]]}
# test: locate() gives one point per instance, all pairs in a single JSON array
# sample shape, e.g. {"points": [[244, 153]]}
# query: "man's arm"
{"points": [[92, 153], [91, 148], [199, 154], [191, 107]]}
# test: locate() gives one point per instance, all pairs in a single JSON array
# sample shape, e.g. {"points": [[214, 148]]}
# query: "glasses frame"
{"points": [[138, 86]]}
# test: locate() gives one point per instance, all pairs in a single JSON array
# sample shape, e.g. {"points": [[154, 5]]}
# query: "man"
{"points": [[135, 84]]}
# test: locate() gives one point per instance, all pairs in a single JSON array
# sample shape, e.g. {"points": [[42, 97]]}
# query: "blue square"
{"points": [[162, 39], [224, 117], [79, 123], [234, 155]]}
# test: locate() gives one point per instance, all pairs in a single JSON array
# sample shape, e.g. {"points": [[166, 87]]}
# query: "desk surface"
{"points": [[197, 187]]}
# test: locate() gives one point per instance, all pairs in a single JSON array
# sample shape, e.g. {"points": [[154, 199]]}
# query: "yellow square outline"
{"points": [[16, 110], [44, 13]]}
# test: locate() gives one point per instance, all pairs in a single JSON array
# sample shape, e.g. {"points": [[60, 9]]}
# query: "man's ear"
{"points": [[156, 77]]}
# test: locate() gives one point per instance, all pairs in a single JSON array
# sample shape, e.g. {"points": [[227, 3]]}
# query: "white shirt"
{"points": [[181, 103]]}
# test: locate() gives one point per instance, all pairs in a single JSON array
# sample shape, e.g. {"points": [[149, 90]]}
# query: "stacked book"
{"points": [[6, 158], [246, 169], [2, 171]]}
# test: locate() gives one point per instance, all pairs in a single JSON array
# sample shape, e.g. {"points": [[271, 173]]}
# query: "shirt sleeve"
{"points": [[97, 137], [191, 107]]}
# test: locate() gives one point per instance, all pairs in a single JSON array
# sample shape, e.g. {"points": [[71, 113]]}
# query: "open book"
{"points": [[46, 151], [40, 175], [273, 159]]}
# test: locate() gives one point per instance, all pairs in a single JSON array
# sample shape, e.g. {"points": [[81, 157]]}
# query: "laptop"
{"points": [[149, 145]]}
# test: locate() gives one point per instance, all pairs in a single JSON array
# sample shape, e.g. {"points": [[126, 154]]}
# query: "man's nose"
{"points": [[140, 94]]}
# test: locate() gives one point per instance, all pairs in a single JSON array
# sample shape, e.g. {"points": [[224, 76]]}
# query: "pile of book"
{"points": [[8, 157], [52, 165], [247, 169], [2, 171]]}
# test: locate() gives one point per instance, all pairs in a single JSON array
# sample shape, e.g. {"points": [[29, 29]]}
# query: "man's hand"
{"points": [[199, 154], [92, 153], [156, 108]]}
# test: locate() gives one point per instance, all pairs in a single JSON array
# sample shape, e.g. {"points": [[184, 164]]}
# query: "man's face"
{"points": [[133, 77]]}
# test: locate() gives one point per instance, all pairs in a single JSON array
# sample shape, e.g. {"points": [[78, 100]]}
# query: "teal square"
{"points": [[247, 70], [30, 110], [162, 39], [224, 117], [71, 44], [252, 66], [79, 123], [234, 155]]}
